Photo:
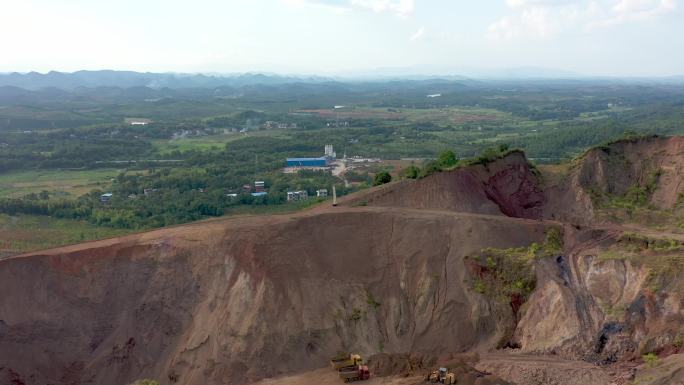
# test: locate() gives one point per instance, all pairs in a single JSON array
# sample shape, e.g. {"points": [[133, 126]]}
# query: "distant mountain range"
{"points": [[69, 81], [129, 79]]}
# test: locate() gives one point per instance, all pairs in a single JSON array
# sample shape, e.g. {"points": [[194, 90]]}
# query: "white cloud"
{"points": [[528, 3], [636, 10], [536, 22], [401, 8], [544, 19], [335, 6]]}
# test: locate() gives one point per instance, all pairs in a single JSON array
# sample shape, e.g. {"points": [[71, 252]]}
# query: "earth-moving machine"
{"points": [[441, 376], [354, 373], [350, 360]]}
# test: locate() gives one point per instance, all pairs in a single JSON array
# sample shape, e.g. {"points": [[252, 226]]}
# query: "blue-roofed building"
{"points": [[259, 194], [307, 162]]}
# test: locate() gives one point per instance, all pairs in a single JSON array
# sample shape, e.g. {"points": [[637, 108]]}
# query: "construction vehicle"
{"points": [[441, 376], [352, 360], [354, 373]]}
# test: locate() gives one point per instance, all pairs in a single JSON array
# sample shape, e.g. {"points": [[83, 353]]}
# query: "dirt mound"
{"points": [[507, 186], [398, 364]]}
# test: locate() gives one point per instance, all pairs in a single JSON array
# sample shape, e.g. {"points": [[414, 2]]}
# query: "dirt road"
{"points": [[542, 370], [327, 376]]}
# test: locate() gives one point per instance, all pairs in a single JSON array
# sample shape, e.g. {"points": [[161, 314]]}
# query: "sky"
{"points": [[345, 37]]}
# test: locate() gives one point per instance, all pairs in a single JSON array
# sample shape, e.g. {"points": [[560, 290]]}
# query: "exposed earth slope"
{"points": [[483, 257], [231, 301]]}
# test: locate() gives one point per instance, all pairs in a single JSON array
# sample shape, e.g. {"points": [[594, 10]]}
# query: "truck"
{"points": [[354, 373], [346, 361]]}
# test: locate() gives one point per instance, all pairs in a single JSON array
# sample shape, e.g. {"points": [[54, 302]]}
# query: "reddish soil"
{"points": [[505, 187], [235, 301]]}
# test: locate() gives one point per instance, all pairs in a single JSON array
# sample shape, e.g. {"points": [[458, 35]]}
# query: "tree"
{"points": [[447, 159], [503, 147], [412, 172], [381, 178]]}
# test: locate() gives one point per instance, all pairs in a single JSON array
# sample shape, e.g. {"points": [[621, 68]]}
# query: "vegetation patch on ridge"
{"points": [[447, 161], [637, 195], [508, 274], [663, 257]]}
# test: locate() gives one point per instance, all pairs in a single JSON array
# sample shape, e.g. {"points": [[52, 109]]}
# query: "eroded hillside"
{"points": [[230, 301], [475, 259]]}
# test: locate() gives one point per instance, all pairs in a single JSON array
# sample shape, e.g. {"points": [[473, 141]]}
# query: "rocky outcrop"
{"points": [[603, 310], [506, 186]]}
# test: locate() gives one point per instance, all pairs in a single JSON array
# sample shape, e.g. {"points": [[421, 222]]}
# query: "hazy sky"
{"points": [[596, 37]]}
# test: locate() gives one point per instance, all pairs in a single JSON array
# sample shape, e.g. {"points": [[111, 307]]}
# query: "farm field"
{"points": [[24, 233], [64, 183], [165, 147]]}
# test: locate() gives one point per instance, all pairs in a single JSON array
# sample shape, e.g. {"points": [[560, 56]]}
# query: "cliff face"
{"points": [[603, 301], [646, 172]]}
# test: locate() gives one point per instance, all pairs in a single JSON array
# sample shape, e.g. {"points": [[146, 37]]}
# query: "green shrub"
{"points": [[636, 196], [479, 286], [355, 315], [507, 273], [553, 243], [381, 178], [146, 381], [533, 250], [372, 302], [447, 159], [679, 340], [651, 359], [430, 168], [411, 172]]}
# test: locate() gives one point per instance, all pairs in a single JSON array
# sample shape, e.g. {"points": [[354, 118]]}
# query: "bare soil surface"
{"points": [[238, 300], [329, 377], [543, 370]]}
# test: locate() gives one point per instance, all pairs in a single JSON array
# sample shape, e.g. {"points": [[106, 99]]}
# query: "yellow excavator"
{"points": [[442, 376]]}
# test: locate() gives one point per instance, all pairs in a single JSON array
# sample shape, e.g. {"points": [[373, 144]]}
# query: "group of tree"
{"points": [[447, 160]]}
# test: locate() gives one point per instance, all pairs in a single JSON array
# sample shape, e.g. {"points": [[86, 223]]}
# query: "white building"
{"points": [[294, 196], [329, 152]]}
